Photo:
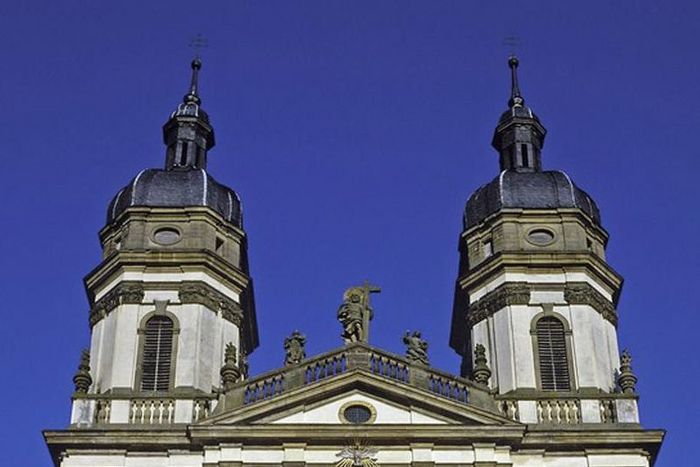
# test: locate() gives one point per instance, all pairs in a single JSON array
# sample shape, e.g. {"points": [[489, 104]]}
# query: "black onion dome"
{"points": [[528, 190], [177, 188]]}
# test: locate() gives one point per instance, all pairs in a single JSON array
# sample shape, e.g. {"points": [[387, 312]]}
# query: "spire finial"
{"points": [[193, 95], [197, 43], [516, 100]]}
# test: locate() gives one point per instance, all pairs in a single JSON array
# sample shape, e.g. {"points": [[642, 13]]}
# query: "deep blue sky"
{"points": [[354, 133]]}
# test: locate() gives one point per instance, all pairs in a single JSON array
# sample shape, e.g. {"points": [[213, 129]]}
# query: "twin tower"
{"points": [[172, 300]]}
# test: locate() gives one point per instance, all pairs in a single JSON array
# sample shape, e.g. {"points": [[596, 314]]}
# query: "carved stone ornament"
{"points": [[230, 372], [416, 348], [123, 293], [481, 372], [82, 378], [514, 293], [627, 380], [582, 293], [206, 295], [357, 455], [294, 348], [355, 313]]}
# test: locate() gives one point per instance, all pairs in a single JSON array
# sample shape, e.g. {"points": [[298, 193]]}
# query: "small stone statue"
{"points": [[416, 348], [481, 372], [355, 313], [82, 378], [230, 372], [627, 379], [243, 364], [294, 348]]}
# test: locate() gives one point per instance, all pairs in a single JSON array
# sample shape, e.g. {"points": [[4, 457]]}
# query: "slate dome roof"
{"points": [[184, 187], [528, 190]]}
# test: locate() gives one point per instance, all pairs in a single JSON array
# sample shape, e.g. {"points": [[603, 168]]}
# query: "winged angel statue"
{"points": [[357, 455]]}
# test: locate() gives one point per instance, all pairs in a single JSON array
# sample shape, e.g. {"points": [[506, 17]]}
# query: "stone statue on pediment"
{"points": [[294, 348], [355, 313]]}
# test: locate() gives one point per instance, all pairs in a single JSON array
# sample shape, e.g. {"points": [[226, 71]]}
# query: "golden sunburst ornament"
{"points": [[357, 454]]}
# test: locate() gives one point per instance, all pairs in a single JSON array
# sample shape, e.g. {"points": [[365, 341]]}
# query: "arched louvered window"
{"points": [[553, 356], [157, 354]]}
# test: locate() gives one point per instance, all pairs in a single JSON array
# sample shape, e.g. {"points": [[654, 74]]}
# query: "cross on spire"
{"points": [[198, 43]]}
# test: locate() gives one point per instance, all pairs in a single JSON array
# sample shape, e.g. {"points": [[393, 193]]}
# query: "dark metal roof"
{"points": [[528, 190], [185, 187]]}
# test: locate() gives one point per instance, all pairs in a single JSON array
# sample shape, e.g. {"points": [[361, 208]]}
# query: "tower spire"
{"points": [[516, 99], [188, 134], [193, 95], [519, 135]]}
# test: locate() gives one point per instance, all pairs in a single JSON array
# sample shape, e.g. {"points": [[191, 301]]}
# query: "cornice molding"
{"points": [[189, 292], [582, 293], [125, 293], [541, 262], [204, 294], [513, 293], [180, 260], [518, 293]]}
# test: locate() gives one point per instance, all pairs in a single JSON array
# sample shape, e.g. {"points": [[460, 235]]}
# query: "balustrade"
{"points": [[152, 411], [264, 388], [448, 387], [509, 408], [559, 411], [608, 412], [325, 367], [388, 367], [102, 410]]}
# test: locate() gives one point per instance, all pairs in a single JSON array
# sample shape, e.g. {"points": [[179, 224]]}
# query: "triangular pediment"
{"points": [[389, 403]]}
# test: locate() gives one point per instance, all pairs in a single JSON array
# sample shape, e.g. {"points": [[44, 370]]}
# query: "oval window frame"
{"points": [[161, 228], [533, 230], [347, 405]]}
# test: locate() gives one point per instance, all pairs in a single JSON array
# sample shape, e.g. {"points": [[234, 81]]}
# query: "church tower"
{"points": [[165, 381], [534, 288], [172, 296]]}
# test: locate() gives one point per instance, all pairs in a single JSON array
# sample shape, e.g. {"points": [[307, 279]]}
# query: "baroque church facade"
{"points": [[165, 381]]}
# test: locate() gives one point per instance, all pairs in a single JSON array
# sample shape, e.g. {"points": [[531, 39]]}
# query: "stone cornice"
{"points": [[204, 294], [542, 262], [514, 293], [144, 213], [181, 260], [133, 292], [130, 293], [582, 293], [518, 293], [537, 215], [195, 437]]}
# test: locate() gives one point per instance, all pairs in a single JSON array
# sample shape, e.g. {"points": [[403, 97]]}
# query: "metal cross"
{"points": [[198, 43], [512, 42]]}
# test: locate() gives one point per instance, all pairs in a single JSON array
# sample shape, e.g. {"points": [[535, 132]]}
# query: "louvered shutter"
{"points": [[157, 354], [554, 364]]}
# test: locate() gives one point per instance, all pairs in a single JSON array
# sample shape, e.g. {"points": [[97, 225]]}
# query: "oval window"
{"points": [[166, 236], [357, 414], [540, 237]]}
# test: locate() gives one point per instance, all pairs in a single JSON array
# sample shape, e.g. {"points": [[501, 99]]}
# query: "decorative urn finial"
{"points": [[627, 379], [82, 378], [294, 348], [230, 372], [481, 372]]}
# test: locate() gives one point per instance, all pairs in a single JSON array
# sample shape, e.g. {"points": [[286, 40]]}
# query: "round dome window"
{"points": [[357, 414], [540, 237], [166, 236]]}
